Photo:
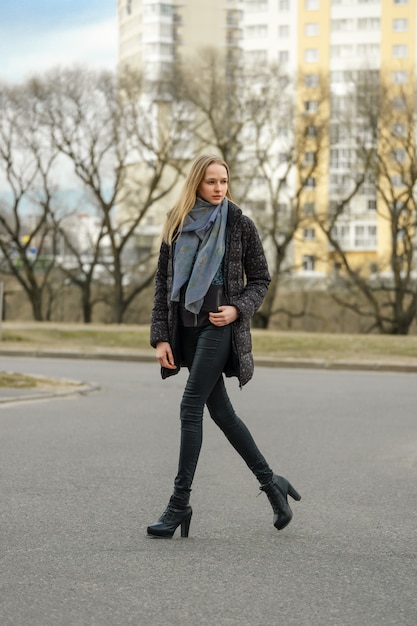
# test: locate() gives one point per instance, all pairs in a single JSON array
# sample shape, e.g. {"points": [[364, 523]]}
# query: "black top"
{"points": [[213, 299]]}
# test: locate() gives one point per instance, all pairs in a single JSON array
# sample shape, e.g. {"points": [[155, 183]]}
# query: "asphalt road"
{"points": [[82, 477]]}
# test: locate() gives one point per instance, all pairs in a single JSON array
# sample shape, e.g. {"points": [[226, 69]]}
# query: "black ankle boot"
{"points": [[170, 519], [276, 490]]}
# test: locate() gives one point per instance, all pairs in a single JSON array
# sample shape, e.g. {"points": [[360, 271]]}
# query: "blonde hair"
{"points": [[175, 218]]}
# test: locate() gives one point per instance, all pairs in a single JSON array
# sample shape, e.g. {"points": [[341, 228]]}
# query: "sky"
{"points": [[36, 35]]}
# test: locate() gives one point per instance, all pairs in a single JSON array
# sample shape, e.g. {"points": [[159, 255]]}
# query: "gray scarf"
{"points": [[199, 252]]}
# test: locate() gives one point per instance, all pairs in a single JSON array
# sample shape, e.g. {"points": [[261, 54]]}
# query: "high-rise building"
{"points": [[152, 35], [348, 44]]}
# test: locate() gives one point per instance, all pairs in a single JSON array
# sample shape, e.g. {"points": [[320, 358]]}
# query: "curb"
{"points": [[66, 387], [47, 395], [360, 366], [149, 357]]}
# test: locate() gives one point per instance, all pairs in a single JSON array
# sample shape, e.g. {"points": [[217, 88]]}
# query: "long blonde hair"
{"points": [[175, 218]]}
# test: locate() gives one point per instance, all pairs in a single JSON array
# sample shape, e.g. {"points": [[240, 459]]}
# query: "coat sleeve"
{"points": [[159, 316], [256, 271]]}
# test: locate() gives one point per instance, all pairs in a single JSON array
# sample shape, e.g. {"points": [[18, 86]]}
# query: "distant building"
{"points": [[153, 35], [346, 43]]}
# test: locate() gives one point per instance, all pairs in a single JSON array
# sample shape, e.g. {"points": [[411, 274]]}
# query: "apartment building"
{"points": [[346, 42], [152, 35]]}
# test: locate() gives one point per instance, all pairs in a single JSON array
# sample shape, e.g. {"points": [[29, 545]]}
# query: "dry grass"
{"points": [[25, 381], [332, 347], [301, 345]]}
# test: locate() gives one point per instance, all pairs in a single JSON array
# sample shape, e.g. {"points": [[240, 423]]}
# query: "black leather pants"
{"points": [[205, 351]]}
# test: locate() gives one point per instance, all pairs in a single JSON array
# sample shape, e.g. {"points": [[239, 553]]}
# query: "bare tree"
{"points": [[220, 109], [79, 259], [385, 290], [122, 156], [27, 239], [248, 117], [287, 142]]}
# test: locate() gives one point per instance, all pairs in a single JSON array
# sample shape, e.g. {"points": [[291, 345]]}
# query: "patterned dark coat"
{"points": [[246, 280]]}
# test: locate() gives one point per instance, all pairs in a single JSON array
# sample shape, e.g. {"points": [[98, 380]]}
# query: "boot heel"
{"points": [[293, 493], [169, 521], [185, 527], [277, 490]]}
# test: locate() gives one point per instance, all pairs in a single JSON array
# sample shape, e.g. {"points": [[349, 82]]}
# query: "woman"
{"points": [[212, 276]]}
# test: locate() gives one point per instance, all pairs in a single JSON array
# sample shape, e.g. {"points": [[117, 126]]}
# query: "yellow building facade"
{"points": [[332, 40], [332, 46]]}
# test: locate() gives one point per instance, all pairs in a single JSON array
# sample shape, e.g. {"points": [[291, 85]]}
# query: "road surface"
{"points": [[82, 477]]}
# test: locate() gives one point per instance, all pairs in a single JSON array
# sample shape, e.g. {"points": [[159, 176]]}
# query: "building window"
{"points": [[284, 5], [310, 182], [309, 234], [399, 130], [309, 263], [257, 30], [312, 30], [369, 23], [256, 56], [343, 25], [309, 158], [400, 26], [400, 78], [365, 236], [283, 56], [311, 131], [343, 51], [166, 9], [129, 7], [367, 77], [340, 104], [256, 5], [398, 155], [403, 2], [338, 133], [340, 183], [311, 106], [284, 31], [397, 180], [341, 158], [161, 49], [369, 49], [371, 205], [339, 77], [398, 104], [311, 55], [309, 208], [340, 233], [400, 52], [312, 5], [311, 80]]}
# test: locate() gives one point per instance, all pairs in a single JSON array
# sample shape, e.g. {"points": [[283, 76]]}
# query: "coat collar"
{"points": [[234, 213]]}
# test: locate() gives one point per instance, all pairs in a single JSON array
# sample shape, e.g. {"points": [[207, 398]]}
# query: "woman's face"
{"points": [[213, 187]]}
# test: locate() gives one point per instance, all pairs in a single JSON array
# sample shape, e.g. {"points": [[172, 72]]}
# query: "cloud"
{"points": [[94, 45]]}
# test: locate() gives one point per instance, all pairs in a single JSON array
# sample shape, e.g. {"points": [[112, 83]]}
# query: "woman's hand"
{"points": [[226, 315], [164, 355]]}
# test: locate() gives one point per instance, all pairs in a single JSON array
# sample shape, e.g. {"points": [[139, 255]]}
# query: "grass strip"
{"points": [[268, 343]]}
